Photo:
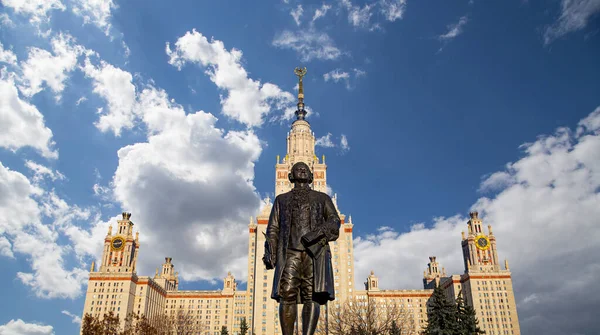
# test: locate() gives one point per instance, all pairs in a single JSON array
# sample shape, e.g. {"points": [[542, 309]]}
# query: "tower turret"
{"points": [[372, 283], [432, 275], [120, 250], [479, 248]]}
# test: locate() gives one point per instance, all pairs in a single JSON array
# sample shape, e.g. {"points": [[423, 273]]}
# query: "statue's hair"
{"points": [[310, 175]]}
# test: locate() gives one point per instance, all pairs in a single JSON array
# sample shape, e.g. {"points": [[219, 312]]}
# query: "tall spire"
{"points": [[300, 112]]}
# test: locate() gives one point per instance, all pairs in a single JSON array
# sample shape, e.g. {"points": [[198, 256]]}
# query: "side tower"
{"points": [[121, 249], [167, 278], [113, 286], [486, 286], [432, 276]]}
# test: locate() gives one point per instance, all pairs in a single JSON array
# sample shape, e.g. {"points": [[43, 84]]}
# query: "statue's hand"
{"points": [[268, 261]]}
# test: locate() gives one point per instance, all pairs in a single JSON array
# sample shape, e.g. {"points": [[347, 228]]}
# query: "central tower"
{"points": [[300, 148]]}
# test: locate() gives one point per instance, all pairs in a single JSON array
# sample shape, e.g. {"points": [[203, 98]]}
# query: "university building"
{"points": [[115, 285]]}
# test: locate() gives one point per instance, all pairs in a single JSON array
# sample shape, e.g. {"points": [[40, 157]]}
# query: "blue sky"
{"points": [[175, 111]]}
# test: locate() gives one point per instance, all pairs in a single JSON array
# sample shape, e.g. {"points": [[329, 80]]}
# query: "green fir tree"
{"points": [[224, 331], [243, 327], [441, 315], [394, 329], [467, 318]]}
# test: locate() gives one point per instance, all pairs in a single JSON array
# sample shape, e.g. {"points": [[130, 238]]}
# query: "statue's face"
{"points": [[301, 172]]}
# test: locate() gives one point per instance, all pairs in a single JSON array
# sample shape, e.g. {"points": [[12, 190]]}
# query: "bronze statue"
{"points": [[301, 224]]}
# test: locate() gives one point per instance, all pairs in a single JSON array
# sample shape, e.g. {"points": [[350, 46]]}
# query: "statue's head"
{"points": [[300, 173]]}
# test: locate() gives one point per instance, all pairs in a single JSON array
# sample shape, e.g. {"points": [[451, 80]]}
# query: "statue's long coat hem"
{"points": [[323, 217]]}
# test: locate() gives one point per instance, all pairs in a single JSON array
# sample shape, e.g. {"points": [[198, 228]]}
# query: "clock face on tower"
{"points": [[117, 243], [482, 242]]}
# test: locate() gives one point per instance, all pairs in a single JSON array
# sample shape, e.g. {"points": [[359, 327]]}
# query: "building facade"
{"points": [[116, 287]]}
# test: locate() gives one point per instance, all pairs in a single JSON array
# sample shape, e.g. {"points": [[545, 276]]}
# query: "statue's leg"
{"points": [[287, 316], [289, 288], [311, 309]]}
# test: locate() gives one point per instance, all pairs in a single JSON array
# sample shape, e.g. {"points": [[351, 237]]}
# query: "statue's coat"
{"points": [[324, 218]]}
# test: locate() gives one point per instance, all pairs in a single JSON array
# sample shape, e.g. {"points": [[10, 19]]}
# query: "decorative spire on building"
{"points": [[300, 112]]}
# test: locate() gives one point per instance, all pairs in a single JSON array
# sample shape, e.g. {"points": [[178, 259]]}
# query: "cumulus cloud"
{"points": [[116, 87], [6, 248], [574, 16], [7, 56], [247, 100], [542, 200], [42, 66], [195, 177], [296, 13], [31, 220], [308, 44], [325, 141], [95, 12], [20, 327], [38, 11], [22, 123], [321, 12]]}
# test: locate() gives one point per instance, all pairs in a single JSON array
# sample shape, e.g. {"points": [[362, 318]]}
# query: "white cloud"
{"points": [[321, 12], [43, 67], [247, 101], [80, 100], [393, 9], [6, 21], [359, 73], [96, 12], [41, 171], [74, 318], [495, 181], [338, 75], [7, 56], [37, 10], [103, 192], [454, 29], [544, 199], [23, 208], [296, 13], [574, 16], [126, 50], [308, 44], [344, 143], [116, 87], [6, 248], [325, 141], [22, 124], [357, 16], [362, 17], [201, 183], [19, 327]]}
